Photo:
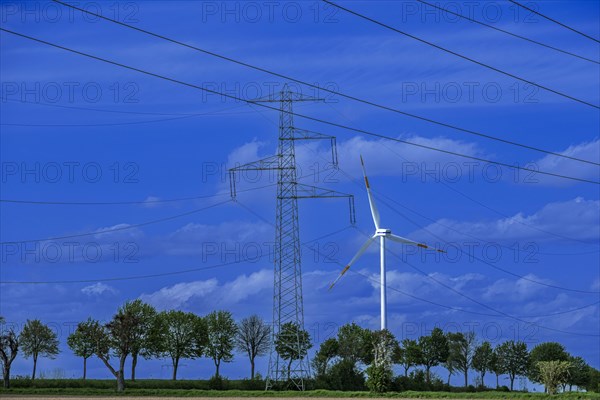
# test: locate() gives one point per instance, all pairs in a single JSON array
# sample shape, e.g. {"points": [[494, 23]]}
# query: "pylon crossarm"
{"points": [[267, 163], [314, 192], [303, 134]]}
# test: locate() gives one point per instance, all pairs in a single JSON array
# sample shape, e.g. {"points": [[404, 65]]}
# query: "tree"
{"points": [[578, 373], [496, 365], [177, 336], [221, 337], [119, 337], [483, 358], [343, 375], [553, 374], [513, 358], [9, 347], [434, 350], [253, 337], [292, 343], [407, 355], [402, 354], [593, 381], [328, 351], [455, 341], [379, 373], [355, 343], [465, 348], [548, 351], [36, 340], [144, 333], [82, 342]]}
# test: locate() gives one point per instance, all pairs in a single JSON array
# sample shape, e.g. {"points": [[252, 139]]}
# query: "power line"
{"points": [[488, 66], [488, 263], [465, 310], [37, 103], [481, 304], [136, 277], [144, 202], [462, 252], [180, 117], [459, 249], [483, 205], [334, 92], [498, 312], [122, 228], [518, 319], [507, 32], [555, 21], [295, 113], [492, 209]]}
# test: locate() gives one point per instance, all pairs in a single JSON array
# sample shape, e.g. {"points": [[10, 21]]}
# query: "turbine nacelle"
{"points": [[383, 232]]}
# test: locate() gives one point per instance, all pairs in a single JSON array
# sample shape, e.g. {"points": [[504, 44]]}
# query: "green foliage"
{"points": [[146, 338], [513, 359], [434, 350], [221, 330], [355, 343], [379, 378], [175, 337], [327, 352], [292, 343], [81, 341], [160, 388], [593, 381], [553, 374], [483, 358], [578, 372], [379, 373], [217, 383], [548, 351], [342, 375], [461, 349], [36, 340], [408, 355]]}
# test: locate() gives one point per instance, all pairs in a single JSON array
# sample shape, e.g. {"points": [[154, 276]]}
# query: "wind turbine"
{"points": [[382, 234]]}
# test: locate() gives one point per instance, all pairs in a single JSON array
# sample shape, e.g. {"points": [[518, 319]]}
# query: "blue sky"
{"points": [[91, 132]]}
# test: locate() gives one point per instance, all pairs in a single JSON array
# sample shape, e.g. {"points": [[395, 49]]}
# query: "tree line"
{"points": [[138, 330], [340, 361]]}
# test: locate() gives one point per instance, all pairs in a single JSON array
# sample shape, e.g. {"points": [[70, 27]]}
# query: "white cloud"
{"points": [[245, 153], [98, 289], [245, 286], [587, 151], [151, 202], [577, 218], [515, 290], [226, 294], [175, 296], [386, 157], [241, 239], [122, 230]]}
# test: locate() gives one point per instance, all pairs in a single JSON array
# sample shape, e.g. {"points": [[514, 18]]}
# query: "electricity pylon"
{"points": [[292, 365]]}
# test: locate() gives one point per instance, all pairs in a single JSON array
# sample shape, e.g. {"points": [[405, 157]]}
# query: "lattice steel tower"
{"points": [[287, 291]]}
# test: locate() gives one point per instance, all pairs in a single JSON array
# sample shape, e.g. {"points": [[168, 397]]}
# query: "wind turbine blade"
{"points": [[402, 240], [374, 211], [356, 257]]}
